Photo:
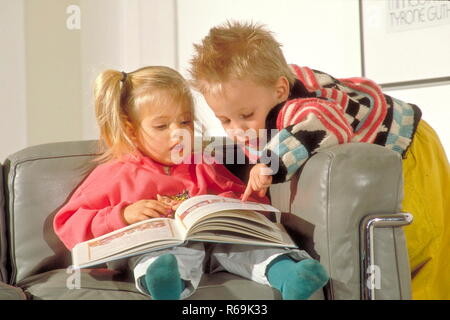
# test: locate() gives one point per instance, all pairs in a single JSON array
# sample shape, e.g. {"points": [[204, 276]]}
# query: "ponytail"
{"points": [[110, 110]]}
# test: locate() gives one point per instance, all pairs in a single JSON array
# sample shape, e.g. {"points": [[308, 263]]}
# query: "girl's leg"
{"points": [[171, 273], [291, 271]]}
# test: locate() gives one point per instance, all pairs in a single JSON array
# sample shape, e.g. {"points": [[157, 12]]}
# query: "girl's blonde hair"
{"points": [[238, 50], [120, 96]]}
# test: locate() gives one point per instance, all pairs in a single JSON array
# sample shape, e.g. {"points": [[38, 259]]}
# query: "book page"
{"points": [[238, 229], [196, 208], [135, 235], [142, 249], [248, 222], [242, 238]]}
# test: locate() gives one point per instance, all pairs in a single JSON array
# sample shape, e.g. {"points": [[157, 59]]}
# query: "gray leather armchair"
{"points": [[343, 209]]}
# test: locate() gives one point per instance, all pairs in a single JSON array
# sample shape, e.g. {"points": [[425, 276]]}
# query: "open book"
{"points": [[207, 218]]}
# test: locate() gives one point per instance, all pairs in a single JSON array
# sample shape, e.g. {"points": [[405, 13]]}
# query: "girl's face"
{"points": [[165, 132]]}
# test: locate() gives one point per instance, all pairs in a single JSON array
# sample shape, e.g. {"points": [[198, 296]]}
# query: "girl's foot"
{"points": [[162, 279], [296, 280]]}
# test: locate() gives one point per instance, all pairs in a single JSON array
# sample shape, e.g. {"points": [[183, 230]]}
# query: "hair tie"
{"points": [[124, 76]]}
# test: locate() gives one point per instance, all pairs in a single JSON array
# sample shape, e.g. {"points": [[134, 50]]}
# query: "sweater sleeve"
{"points": [[335, 111], [89, 213], [77, 221], [305, 126]]}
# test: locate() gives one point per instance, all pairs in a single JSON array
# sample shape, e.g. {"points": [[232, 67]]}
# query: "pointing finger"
{"points": [[248, 191]]}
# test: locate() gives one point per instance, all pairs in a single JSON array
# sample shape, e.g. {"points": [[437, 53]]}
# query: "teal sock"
{"points": [[162, 279], [296, 280]]}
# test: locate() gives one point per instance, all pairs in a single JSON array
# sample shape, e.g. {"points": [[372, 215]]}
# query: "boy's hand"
{"points": [[260, 180], [145, 209]]}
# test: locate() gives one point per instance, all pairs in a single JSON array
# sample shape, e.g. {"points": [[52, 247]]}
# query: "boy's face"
{"points": [[165, 133], [242, 107]]}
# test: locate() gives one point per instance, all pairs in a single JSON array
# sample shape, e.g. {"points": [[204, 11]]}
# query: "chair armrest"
{"points": [[8, 292], [337, 188], [370, 274]]}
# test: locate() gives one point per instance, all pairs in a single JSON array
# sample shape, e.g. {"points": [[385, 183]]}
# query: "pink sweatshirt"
{"points": [[96, 206]]}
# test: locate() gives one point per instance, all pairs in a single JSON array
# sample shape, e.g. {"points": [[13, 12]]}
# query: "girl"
{"points": [[146, 123]]}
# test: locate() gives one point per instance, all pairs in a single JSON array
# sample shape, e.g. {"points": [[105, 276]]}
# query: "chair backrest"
{"points": [[38, 181], [337, 188]]}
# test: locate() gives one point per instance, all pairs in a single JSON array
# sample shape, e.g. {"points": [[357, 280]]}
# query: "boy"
{"points": [[242, 73]]}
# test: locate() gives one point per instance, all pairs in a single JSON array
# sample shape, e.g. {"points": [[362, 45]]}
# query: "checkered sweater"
{"points": [[323, 111]]}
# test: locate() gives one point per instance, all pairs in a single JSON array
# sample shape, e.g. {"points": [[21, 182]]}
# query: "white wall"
{"points": [[410, 41], [48, 70], [53, 74], [435, 105], [122, 35], [406, 40], [101, 48], [13, 124], [323, 35], [127, 34]]}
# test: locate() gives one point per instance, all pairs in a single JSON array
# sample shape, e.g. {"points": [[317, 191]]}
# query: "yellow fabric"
{"points": [[427, 196]]}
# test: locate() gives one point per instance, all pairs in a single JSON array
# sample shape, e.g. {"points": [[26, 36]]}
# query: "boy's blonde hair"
{"points": [[120, 96], [238, 50]]}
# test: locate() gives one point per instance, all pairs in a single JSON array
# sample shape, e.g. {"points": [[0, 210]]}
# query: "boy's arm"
{"points": [[343, 110], [306, 126]]}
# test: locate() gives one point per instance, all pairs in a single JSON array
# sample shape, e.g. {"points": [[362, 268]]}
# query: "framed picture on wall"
{"points": [[405, 42]]}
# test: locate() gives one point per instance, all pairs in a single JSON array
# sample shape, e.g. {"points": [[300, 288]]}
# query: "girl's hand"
{"points": [[145, 209], [174, 204], [260, 180]]}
